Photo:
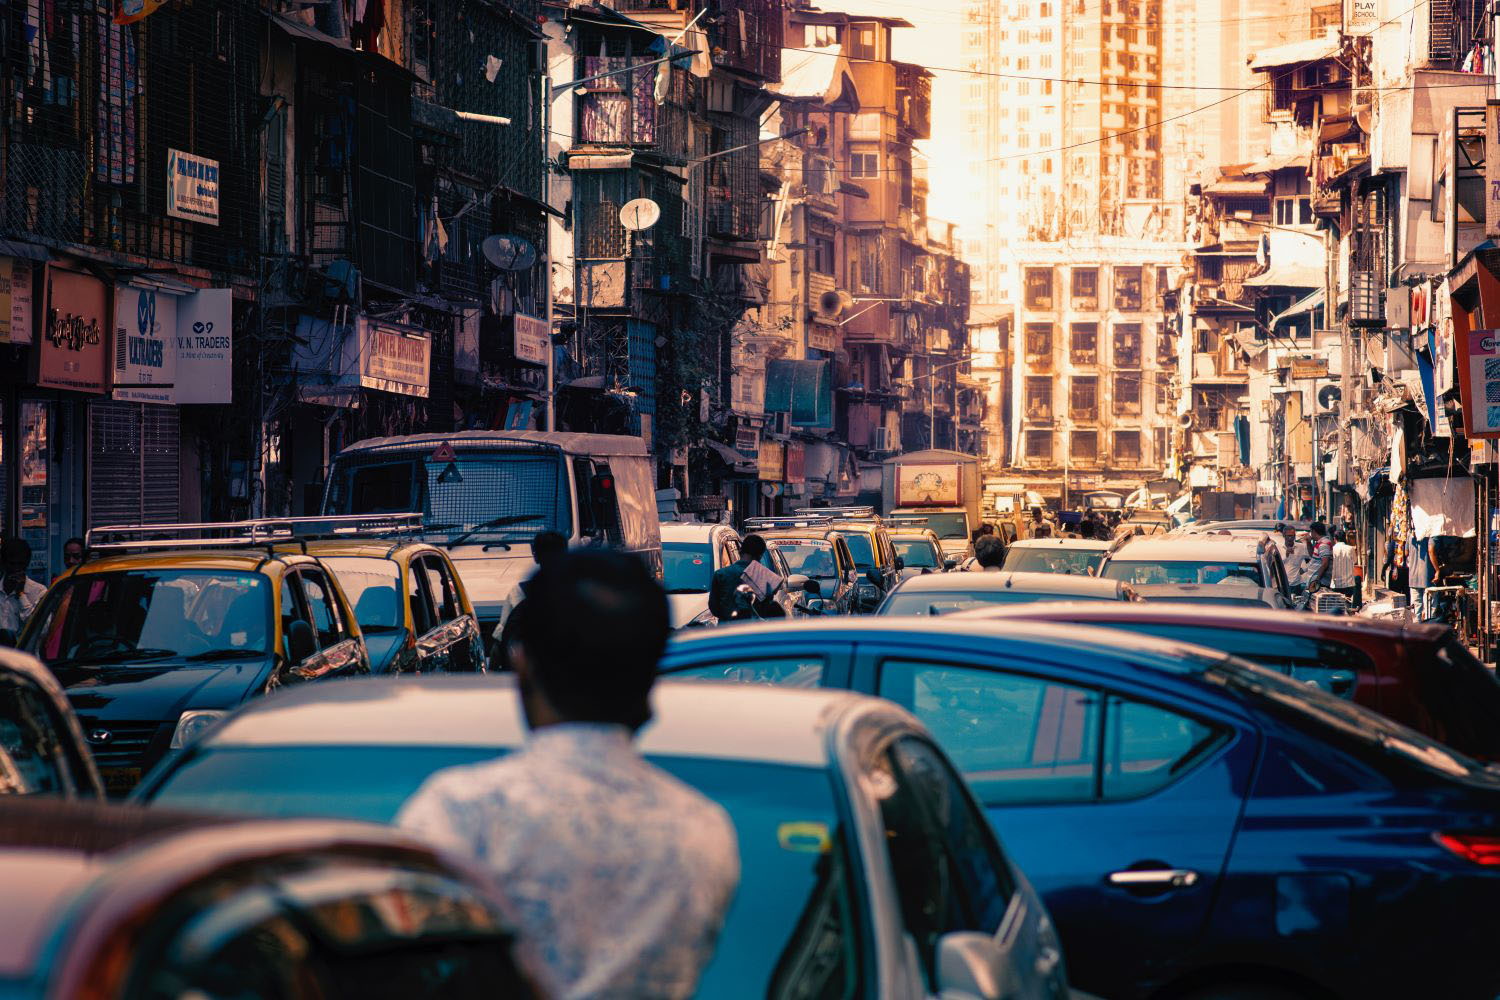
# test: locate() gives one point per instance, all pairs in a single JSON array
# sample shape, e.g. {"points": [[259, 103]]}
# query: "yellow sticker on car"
{"points": [[804, 837]]}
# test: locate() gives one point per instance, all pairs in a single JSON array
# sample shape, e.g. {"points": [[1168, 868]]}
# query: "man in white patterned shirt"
{"points": [[621, 874]]}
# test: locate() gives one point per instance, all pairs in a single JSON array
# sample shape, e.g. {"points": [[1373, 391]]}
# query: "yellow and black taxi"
{"points": [[870, 542], [411, 607], [168, 628]]}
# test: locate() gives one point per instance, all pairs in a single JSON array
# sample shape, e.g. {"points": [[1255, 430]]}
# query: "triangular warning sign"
{"points": [[443, 453]]}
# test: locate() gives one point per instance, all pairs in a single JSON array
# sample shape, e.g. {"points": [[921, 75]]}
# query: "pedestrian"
{"points": [[545, 546], [1287, 535], [989, 552], [1320, 566], [1341, 576], [19, 593], [74, 550], [621, 873], [726, 603], [1040, 526]]}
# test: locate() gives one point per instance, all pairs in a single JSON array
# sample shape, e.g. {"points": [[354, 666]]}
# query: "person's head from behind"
{"points": [[547, 545], [586, 650], [989, 553], [15, 556], [1036, 512], [1319, 530], [73, 550], [1341, 536], [752, 548], [986, 528]]}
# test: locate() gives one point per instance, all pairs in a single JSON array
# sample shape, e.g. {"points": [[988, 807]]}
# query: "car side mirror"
{"points": [[968, 966], [811, 586], [797, 582], [950, 562], [301, 642], [900, 564], [873, 575]]}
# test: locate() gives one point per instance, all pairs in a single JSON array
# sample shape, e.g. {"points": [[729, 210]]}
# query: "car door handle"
{"points": [[1161, 878]]}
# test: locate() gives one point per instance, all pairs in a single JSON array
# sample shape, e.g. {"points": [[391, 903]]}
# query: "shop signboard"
{"points": [[771, 462], [205, 352], [796, 462], [16, 314], [531, 339], [192, 187], [144, 344], [393, 358], [1309, 368], [1479, 384], [72, 353]]}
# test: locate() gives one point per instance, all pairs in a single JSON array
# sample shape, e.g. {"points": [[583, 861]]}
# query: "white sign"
{"points": [[1363, 15], [15, 301], [192, 187], [204, 342], [531, 339], [144, 344], [392, 358]]}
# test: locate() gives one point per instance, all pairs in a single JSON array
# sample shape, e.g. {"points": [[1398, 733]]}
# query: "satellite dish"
{"points": [[1329, 395], [639, 214], [508, 253]]}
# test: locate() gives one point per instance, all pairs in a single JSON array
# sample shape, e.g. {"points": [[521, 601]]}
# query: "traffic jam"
{"points": [[499, 722]]}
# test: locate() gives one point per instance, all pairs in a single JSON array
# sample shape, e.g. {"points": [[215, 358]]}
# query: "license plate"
{"points": [[119, 780]]}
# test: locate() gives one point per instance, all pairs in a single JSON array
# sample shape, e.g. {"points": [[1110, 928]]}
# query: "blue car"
{"points": [[1197, 826]]}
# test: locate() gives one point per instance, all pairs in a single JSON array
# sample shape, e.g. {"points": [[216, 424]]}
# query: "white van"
{"points": [[484, 494]]}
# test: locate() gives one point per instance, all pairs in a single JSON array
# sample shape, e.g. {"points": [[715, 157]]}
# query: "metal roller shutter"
{"points": [[133, 464]]}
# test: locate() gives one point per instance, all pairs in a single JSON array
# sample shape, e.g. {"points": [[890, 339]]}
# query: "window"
{"points": [[1128, 289], [1145, 747], [1127, 445], [1128, 398], [1294, 211], [1039, 288], [1083, 344], [1039, 447], [1083, 447], [1127, 345], [1159, 445], [783, 671], [1084, 401], [864, 165], [1163, 285], [1039, 345], [1086, 288], [321, 605], [1036, 741], [423, 615], [820, 252], [862, 42], [1038, 398], [866, 262], [440, 585]]}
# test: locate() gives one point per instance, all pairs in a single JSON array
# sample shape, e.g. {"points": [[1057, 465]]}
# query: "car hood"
{"points": [[161, 691], [953, 546], [383, 647], [686, 607], [490, 577]]}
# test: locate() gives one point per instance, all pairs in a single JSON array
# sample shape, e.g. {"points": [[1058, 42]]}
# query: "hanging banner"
{"points": [[131, 11], [1480, 387], [16, 314], [391, 358], [205, 353], [192, 187], [531, 339], [145, 347], [71, 353]]}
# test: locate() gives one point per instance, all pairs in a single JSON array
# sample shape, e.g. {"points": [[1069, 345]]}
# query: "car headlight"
{"points": [[191, 725]]}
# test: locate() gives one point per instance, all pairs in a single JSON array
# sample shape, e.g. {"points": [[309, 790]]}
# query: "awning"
{"points": [[1299, 308], [849, 187], [1271, 164], [307, 33], [1243, 187], [1341, 129], [1287, 276], [808, 72], [1294, 53], [802, 389], [733, 457]]}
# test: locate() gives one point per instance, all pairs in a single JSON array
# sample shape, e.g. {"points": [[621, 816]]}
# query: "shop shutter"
{"points": [[133, 464]]}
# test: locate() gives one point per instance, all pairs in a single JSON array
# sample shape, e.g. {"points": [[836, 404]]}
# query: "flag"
{"points": [[131, 11]]}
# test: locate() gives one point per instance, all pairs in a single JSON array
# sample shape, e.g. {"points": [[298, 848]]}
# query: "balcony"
{"points": [[914, 101]]}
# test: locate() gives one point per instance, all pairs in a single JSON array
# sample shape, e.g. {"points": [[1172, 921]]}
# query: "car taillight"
{"points": [[1480, 848]]}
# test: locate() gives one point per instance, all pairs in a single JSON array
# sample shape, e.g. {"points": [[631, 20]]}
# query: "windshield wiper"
{"points": [[497, 522], [224, 654], [114, 656]]}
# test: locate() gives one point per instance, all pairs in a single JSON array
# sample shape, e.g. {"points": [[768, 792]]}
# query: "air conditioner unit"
{"points": [[883, 440]]}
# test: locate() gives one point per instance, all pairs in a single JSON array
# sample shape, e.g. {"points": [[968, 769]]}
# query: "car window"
{"points": [[1333, 666], [440, 586], [1016, 738], [784, 671], [423, 615], [860, 550], [34, 741], [292, 609], [917, 554], [326, 620], [1146, 747], [373, 586], [1141, 571]]}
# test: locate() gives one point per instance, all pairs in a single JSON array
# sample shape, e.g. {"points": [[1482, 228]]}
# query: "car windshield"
{"points": [[1148, 572], [860, 549], [144, 615], [480, 496], [784, 817], [687, 567], [373, 587], [917, 553], [814, 559], [1053, 560], [946, 601], [946, 525]]}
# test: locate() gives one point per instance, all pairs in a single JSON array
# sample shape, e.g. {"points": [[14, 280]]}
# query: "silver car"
{"points": [[867, 869]]}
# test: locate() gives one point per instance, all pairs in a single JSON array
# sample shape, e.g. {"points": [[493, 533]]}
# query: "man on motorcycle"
{"points": [[728, 599]]}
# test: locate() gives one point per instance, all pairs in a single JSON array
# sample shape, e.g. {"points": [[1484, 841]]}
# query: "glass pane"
{"points": [[686, 567], [320, 603], [36, 506], [1015, 738], [1143, 572], [373, 587], [1146, 747], [441, 590], [1332, 666], [916, 555], [786, 671], [32, 759]]}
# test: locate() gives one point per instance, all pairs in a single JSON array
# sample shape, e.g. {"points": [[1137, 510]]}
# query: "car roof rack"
{"points": [[848, 513], [786, 521], [264, 532]]}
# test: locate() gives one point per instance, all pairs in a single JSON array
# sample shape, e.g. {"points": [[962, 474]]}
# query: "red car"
{"points": [[1418, 674], [106, 901]]}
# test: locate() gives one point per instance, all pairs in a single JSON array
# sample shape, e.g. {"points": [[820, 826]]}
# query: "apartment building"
{"points": [[1093, 402]]}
